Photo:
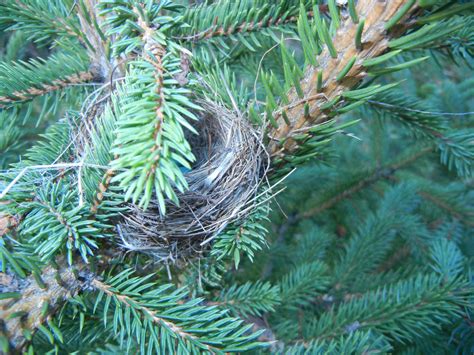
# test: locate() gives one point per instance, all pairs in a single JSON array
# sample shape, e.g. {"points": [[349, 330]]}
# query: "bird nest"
{"points": [[230, 163]]}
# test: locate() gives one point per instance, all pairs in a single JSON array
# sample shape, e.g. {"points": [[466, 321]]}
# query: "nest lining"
{"points": [[230, 163]]}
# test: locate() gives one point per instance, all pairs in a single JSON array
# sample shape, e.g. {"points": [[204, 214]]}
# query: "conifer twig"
{"points": [[244, 27], [374, 42], [36, 303], [431, 113], [447, 207], [128, 302], [380, 173], [46, 167], [45, 89]]}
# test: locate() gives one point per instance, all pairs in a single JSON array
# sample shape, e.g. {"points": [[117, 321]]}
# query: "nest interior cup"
{"points": [[230, 163]]}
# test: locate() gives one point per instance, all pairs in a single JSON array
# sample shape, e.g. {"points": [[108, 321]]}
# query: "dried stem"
{"points": [[7, 223], [90, 26]]}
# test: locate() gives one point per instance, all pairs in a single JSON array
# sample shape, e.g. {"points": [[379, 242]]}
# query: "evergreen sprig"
{"points": [[250, 299], [378, 231], [22, 81], [457, 152], [239, 20], [303, 283], [397, 310], [243, 238], [159, 318], [447, 259], [150, 145], [358, 342], [41, 21], [51, 224]]}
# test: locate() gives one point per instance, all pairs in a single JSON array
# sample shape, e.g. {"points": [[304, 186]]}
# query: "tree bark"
{"points": [[36, 304]]}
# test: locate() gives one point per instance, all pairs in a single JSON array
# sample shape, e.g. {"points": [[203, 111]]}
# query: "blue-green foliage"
{"points": [[243, 238], [19, 80], [41, 21], [150, 144], [369, 248], [358, 342], [250, 299], [164, 321], [51, 224]]}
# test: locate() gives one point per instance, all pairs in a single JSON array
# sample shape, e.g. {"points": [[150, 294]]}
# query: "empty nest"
{"points": [[230, 163]]}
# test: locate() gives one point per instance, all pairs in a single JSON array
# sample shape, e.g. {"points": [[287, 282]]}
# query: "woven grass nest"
{"points": [[230, 163]]}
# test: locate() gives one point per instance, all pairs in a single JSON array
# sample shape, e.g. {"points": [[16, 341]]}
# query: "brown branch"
{"points": [[27, 313], [78, 78], [158, 52], [244, 27], [380, 173], [374, 42], [103, 187], [7, 223], [99, 285], [447, 207]]}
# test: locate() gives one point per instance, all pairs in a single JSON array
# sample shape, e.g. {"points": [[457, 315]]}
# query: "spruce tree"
{"points": [[347, 229]]}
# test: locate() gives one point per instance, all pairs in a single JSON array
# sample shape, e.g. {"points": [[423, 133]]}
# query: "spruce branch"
{"points": [[302, 284], [210, 21], [28, 94], [374, 238], [449, 204], [101, 190], [250, 299], [53, 224], [455, 147], [247, 237], [129, 302], [42, 20], [165, 320], [39, 298], [154, 108], [20, 81], [422, 302], [335, 59], [358, 342], [364, 180]]}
